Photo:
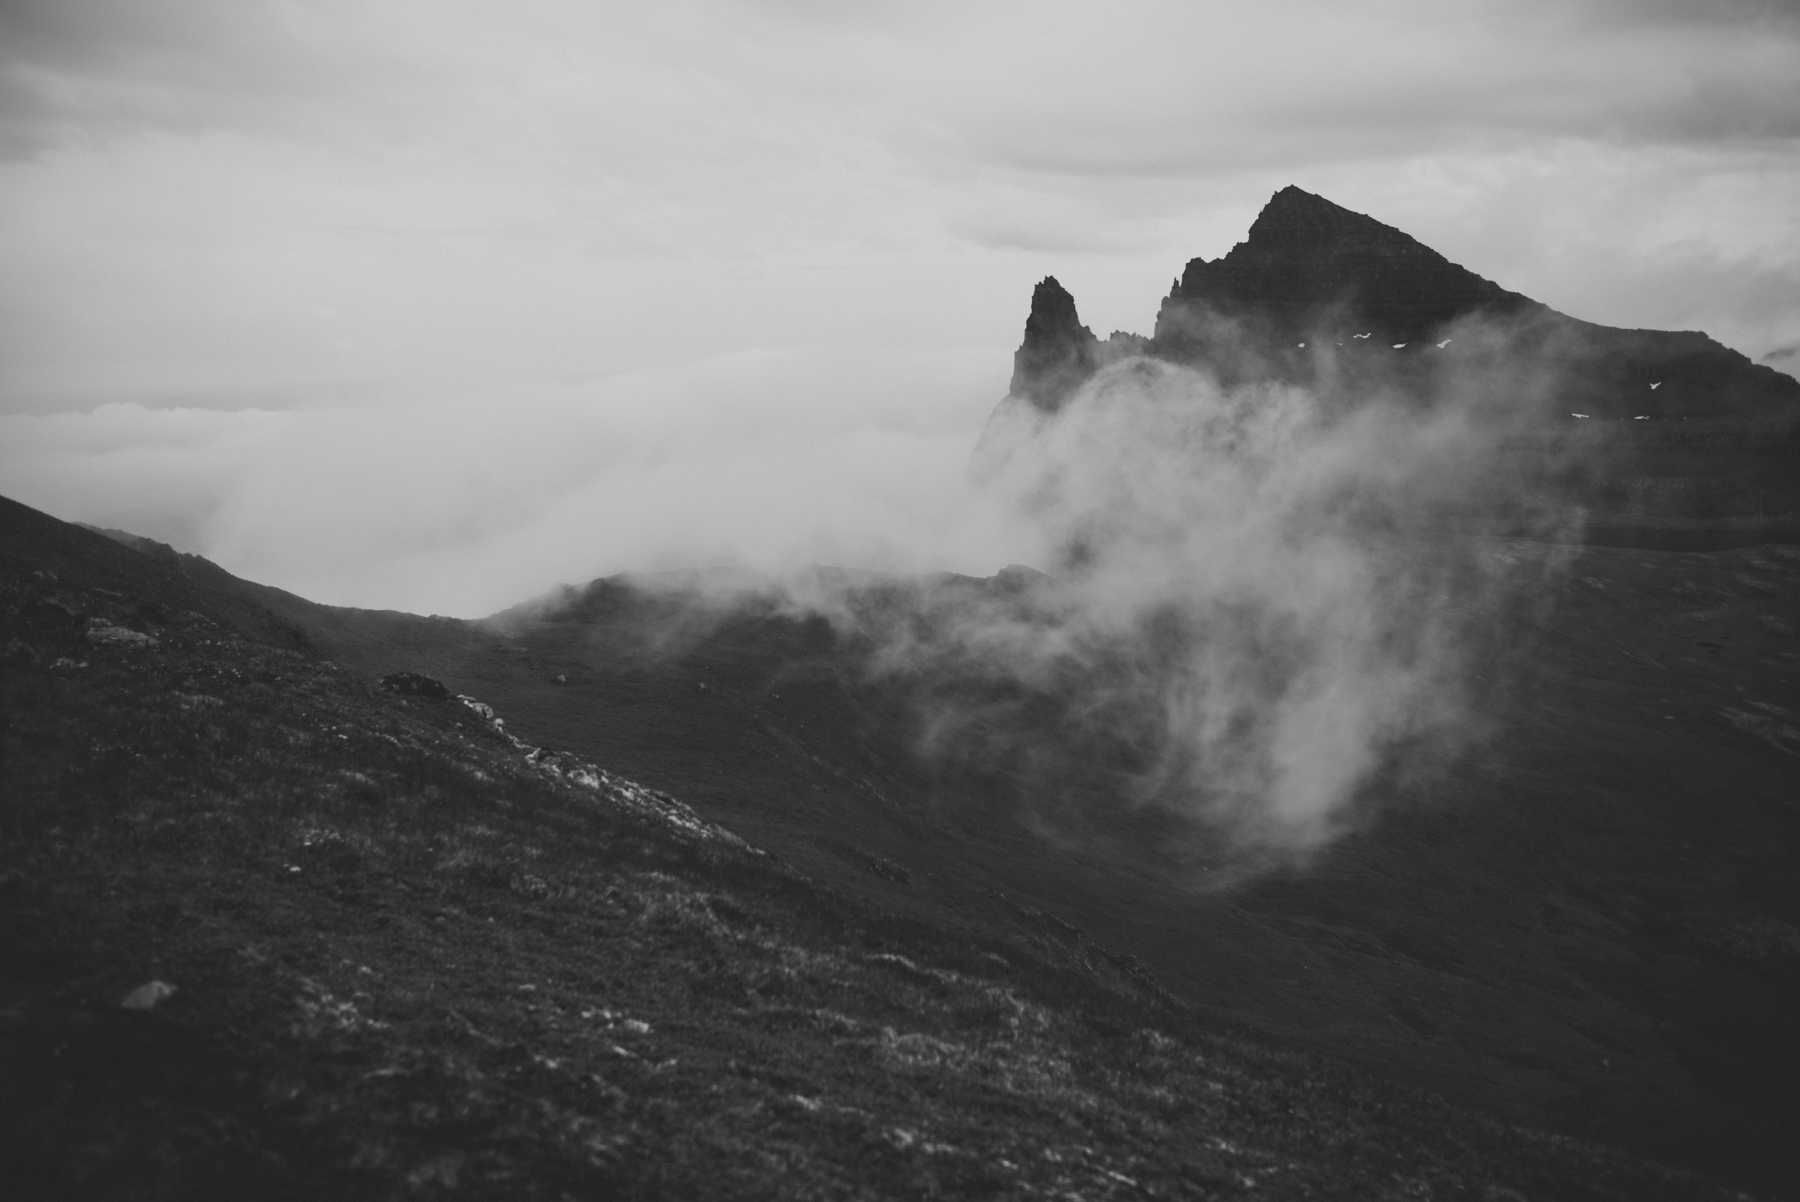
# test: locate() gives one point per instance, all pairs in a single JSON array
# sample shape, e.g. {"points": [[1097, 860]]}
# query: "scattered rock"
{"points": [[414, 684], [1771, 730], [102, 633], [148, 996]]}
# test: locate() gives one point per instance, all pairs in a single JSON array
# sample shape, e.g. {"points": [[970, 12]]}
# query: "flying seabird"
{"points": [[1577, 415], [1398, 345], [1362, 335], [1446, 342], [1642, 417], [1655, 386]]}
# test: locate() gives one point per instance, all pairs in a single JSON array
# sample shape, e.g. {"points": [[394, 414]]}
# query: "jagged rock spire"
{"points": [[1313, 272], [1058, 353]]}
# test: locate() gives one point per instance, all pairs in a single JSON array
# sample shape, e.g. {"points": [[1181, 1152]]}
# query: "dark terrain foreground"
{"points": [[412, 957]]}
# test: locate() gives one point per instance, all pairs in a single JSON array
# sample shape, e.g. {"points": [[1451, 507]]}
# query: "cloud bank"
{"points": [[463, 503], [1262, 600]]}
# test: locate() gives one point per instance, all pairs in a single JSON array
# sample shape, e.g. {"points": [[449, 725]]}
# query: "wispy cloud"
{"points": [[464, 502]]}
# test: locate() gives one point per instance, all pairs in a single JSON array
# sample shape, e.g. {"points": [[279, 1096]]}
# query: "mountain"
{"points": [[1312, 268], [705, 917], [1664, 438]]}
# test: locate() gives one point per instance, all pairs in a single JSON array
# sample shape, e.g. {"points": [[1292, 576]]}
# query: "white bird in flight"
{"points": [[1642, 417], [1398, 345], [1362, 335], [1577, 415], [1655, 386], [1302, 344], [1446, 342]]}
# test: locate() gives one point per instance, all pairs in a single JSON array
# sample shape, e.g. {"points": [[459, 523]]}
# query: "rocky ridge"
{"points": [[1644, 426]]}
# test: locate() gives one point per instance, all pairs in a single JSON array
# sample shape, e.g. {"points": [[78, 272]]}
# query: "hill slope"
{"points": [[414, 955], [1590, 926]]}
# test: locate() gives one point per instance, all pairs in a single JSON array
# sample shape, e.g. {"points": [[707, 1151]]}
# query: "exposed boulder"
{"points": [[148, 996], [414, 684], [102, 633]]}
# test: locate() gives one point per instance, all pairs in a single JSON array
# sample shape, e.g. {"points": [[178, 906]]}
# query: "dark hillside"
{"points": [[1590, 925], [372, 945]]}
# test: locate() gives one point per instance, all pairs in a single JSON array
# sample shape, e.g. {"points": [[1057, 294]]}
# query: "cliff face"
{"points": [[1337, 301], [1058, 353]]}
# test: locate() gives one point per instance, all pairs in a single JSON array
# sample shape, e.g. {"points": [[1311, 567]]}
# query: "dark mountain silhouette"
{"points": [[1681, 441], [1059, 353], [1310, 265]]}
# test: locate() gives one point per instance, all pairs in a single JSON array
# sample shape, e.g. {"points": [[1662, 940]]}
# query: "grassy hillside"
{"points": [[414, 954]]}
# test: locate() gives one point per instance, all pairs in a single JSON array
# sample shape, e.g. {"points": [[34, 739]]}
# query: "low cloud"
{"points": [[463, 503], [1261, 601], [1784, 358]]}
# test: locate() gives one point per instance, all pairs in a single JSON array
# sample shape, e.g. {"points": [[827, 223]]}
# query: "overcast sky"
{"points": [[433, 304]]}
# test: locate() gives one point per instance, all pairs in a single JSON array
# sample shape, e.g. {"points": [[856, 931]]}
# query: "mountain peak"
{"points": [[1307, 261], [1295, 216], [1058, 352], [1313, 274]]}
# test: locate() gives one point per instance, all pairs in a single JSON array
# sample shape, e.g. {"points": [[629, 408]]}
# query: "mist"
{"points": [[464, 500], [1256, 603]]}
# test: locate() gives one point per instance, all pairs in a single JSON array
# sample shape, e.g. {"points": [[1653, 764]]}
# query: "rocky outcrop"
{"points": [[414, 684], [1058, 353]]}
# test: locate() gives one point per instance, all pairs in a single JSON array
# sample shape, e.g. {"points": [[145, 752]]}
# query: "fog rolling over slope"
{"points": [[1255, 601], [1277, 552], [1263, 599], [1286, 537]]}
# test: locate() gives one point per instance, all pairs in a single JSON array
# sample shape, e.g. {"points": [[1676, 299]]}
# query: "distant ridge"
{"points": [[1314, 272], [1672, 425]]}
